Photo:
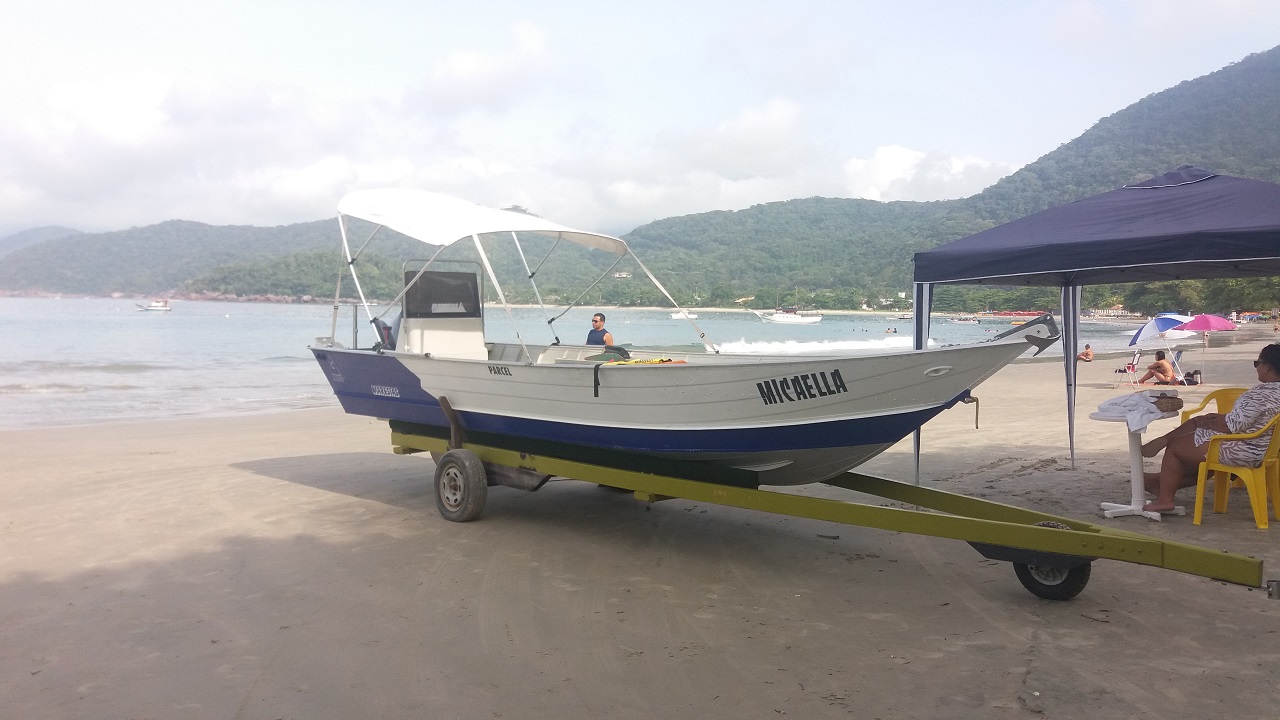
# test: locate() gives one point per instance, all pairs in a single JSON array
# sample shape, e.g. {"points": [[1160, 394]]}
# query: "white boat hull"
{"points": [[790, 419], [784, 318], [794, 419]]}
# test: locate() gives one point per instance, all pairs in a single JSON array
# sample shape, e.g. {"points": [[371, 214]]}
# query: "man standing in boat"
{"points": [[599, 335]]}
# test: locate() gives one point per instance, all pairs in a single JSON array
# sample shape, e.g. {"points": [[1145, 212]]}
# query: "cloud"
{"points": [[584, 118], [761, 141], [494, 82], [212, 148], [898, 173], [781, 53], [760, 153], [228, 147]]}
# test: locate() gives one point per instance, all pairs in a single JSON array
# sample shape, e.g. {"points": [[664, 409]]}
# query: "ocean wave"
{"points": [[291, 402], [66, 366], [41, 389], [61, 389]]}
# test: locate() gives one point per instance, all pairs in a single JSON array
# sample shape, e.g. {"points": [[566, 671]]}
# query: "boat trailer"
{"points": [[1052, 556]]}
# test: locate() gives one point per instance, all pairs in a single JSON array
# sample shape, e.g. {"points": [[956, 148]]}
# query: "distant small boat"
{"points": [[906, 316], [684, 315], [965, 320], [788, 316], [156, 306]]}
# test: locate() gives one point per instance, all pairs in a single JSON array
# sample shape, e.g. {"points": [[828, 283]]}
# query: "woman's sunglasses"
{"points": [[1256, 363]]}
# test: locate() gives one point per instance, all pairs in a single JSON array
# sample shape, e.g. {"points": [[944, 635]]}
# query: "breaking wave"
{"points": [[817, 347], [68, 366]]}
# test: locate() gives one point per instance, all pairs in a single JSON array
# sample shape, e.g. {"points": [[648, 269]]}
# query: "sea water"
{"points": [[90, 360], [75, 361]]}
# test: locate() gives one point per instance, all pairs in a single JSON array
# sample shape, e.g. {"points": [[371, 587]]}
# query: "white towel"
{"points": [[1138, 409]]}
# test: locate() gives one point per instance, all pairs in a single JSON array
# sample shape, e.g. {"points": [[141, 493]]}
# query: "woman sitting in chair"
{"points": [[1161, 370], [1184, 447]]}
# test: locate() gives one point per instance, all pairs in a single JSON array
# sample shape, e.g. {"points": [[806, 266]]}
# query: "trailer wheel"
{"points": [[1053, 583], [461, 486]]}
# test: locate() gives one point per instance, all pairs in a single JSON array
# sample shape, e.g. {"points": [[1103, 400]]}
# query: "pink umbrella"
{"points": [[1205, 324]]}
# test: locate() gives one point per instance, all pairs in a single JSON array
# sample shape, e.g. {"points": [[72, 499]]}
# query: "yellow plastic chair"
{"points": [[1259, 481], [1225, 398]]}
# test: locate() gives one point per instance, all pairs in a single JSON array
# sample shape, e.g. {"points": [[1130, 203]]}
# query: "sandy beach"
{"points": [[291, 566]]}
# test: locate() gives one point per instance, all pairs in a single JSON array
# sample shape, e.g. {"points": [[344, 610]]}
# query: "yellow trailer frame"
{"points": [[1054, 551]]}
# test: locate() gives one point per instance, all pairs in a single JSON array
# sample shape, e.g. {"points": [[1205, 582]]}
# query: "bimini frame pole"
{"points": [[409, 284], [701, 335], [502, 297], [536, 292], [351, 266], [337, 290]]}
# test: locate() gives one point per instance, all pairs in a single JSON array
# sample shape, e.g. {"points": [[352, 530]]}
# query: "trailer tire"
{"points": [[461, 486], [1053, 583]]}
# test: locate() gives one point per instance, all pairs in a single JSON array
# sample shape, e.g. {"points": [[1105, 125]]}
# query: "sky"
{"points": [[598, 115]]}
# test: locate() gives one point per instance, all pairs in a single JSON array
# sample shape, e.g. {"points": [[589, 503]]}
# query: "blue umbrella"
{"points": [[1157, 326]]}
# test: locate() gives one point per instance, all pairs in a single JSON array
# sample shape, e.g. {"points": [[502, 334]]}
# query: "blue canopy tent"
{"points": [[1186, 224]]}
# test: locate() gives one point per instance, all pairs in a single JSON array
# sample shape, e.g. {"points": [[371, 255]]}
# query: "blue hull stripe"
{"points": [[351, 381]]}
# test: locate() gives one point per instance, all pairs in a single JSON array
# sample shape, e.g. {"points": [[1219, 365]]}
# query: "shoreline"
{"points": [[317, 300]]}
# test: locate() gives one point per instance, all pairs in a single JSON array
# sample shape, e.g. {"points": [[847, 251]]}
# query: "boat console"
{"points": [[442, 316]]}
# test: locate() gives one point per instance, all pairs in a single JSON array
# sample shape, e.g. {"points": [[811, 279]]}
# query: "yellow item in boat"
{"points": [[654, 361]]}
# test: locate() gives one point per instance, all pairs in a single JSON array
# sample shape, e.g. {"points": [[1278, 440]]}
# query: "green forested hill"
{"points": [[824, 251], [150, 259], [850, 248], [178, 255], [34, 236], [1225, 121]]}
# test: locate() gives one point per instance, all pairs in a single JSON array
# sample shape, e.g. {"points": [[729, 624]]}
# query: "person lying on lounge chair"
{"points": [[1161, 370], [1185, 446]]}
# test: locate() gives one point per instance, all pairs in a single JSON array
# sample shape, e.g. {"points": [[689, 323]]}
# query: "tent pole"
{"points": [[1070, 341], [921, 308]]}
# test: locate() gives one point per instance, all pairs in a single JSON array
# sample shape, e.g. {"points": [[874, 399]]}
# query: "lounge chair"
{"points": [[1131, 369]]}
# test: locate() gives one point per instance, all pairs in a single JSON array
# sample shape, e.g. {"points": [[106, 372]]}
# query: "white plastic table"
{"points": [[1136, 497]]}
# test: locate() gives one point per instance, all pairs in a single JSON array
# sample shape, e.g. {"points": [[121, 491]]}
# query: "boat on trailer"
{"points": [[789, 419]]}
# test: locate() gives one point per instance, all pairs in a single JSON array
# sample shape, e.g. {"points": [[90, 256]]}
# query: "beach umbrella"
{"points": [[1206, 324], [1157, 326]]}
